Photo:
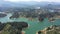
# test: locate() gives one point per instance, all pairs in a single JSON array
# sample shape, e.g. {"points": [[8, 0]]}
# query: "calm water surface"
{"points": [[34, 25]]}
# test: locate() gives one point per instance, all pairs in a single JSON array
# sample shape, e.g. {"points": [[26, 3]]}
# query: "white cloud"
{"points": [[33, 0], [48, 0], [16, 0]]}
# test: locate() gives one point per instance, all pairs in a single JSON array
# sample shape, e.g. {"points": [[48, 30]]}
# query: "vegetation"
{"points": [[2, 15], [50, 30], [13, 27]]}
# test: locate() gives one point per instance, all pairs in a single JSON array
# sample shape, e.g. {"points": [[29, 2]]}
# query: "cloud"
{"points": [[16, 0], [48, 0], [33, 0]]}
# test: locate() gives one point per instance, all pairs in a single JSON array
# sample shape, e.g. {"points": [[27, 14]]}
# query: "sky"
{"points": [[32, 0]]}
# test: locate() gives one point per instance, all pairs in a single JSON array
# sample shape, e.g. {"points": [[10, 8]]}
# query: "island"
{"points": [[55, 29], [2, 15], [12, 27], [15, 15]]}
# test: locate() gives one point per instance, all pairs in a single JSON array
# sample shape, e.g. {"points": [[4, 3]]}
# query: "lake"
{"points": [[34, 25]]}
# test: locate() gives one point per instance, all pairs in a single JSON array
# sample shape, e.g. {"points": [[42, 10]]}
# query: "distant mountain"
{"points": [[30, 4]]}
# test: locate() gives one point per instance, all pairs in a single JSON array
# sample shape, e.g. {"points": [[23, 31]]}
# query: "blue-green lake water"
{"points": [[34, 25]]}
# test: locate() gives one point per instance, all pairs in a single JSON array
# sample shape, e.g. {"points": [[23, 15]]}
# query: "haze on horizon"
{"points": [[32, 0]]}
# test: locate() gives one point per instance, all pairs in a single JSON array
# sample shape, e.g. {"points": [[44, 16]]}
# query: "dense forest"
{"points": [[12, 27]]}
